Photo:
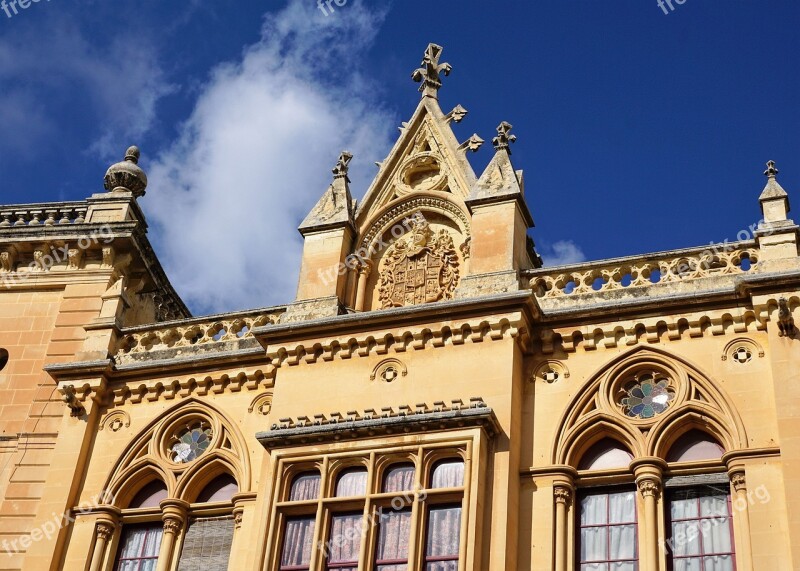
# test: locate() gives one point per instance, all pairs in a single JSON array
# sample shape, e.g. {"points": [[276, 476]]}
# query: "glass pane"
{"points": [[352, 483], [393, 537], [444, 531], [594, 544], [622, 507], [685, 538], [132, 542], [715, 505], [594, 567], [719, 563], [682, 507], [152, 544], [448, 474], [305, 487], [624, 566], [623, 542], [594, 509], [298, 538], [716, 536], [345, 540], [695, 564], [399, 478], [442, 566]]}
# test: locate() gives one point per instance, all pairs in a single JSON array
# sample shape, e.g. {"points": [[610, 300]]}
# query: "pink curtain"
{"points": [[399, 478], [448, 474], [352, 483], [393, 535], [297, 543], [344, 546], [444, 534], [305, 487]]}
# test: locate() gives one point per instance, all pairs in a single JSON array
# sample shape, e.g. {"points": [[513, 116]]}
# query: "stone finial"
{"points": [[503, 138], [771, 170], [343, 165], [429, 74], [127, 176]]}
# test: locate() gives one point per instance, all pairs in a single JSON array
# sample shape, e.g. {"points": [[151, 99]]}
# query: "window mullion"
{"points": [[320, 532]]}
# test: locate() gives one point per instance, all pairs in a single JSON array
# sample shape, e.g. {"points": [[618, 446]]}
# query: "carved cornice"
{"points": [[400, 420]]}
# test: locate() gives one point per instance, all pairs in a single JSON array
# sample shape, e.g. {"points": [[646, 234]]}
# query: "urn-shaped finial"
{"points": [[127, 175]]}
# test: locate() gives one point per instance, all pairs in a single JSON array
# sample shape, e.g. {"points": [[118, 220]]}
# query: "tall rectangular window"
{"points": [[701, 532], [443, 539], [139, 547], [344, 544], [607, 539], [297, 543], [207, 545], [394, 531]]}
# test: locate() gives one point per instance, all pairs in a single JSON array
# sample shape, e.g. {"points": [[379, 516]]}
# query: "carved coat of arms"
{"points": [[420, 268]]}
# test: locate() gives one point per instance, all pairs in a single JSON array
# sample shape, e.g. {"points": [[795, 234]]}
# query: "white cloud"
{"points": [[561, 253], [256, 154]]}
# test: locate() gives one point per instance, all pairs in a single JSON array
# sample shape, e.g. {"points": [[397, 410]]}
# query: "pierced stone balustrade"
{"points": [[643, 272], [52, 214], [191, 337]]}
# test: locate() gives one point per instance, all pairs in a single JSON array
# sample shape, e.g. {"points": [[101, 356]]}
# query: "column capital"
{"points": [[648, 467], [173, 514], [562, 494], [738, 480], [649, 487], [105, 530]]}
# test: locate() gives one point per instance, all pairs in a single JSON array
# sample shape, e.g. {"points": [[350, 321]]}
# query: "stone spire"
{"points": [[499, 180], [774, 199], [336, 206], [428, 74], [127, 176]]}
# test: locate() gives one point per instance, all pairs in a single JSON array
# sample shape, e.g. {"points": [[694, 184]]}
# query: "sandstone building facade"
{"points": [[433, 399]]}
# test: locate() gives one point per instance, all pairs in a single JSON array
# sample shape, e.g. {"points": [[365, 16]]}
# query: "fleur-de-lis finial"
{"points": [[503, 138], [771, 170], [343, 165], [428, 74]]}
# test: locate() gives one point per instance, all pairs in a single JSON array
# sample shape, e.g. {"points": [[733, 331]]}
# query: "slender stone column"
{"points": [[563, 497], [648, 480], [361, 292], [741, 518], [106, 526], [173, 513]]}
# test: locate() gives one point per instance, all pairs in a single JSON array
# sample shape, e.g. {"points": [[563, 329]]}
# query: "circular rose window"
{"points": [[190, 444], [647, 396]]}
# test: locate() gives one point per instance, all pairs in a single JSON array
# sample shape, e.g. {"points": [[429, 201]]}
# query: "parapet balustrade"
{"points": [[633, 272], [192, 333], [43, 214]]}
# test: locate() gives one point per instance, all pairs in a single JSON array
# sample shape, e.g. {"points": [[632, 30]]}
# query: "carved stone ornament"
{"points": [[649, 488], [421, 268], [562, 495], [127, 175], [172, 525], [738, 481], [429, 74], [104, 531]]}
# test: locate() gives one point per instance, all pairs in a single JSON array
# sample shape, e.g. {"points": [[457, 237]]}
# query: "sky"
{"points": [[640, 128]]}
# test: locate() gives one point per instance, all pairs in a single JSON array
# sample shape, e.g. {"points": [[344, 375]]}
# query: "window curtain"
{"points": [[207, 545], [305, 487], [608, 532], [701, 530], [444, 534], [139, 548], [448, 474], [393, 535], [352, 483], [399, 479], [344, 546], [297, 542]]}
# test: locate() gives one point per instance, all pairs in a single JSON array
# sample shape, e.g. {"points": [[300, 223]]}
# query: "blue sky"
{"points": [[638, 130]]}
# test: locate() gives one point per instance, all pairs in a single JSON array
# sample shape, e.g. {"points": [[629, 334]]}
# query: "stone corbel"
{"points": [[8, 259]]}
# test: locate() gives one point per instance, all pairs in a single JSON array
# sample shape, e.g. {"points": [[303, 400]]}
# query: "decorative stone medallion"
{"points": [[389, 371], [420, 268]]}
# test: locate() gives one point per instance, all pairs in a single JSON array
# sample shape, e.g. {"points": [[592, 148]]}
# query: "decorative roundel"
{"points": [[550, 372], [550, 376], [647, 396], [389, 371], [742, 355], [190, 444]]}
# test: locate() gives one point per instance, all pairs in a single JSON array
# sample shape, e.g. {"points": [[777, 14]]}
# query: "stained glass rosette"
{"points": [[647, 398], [191, 444]]}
